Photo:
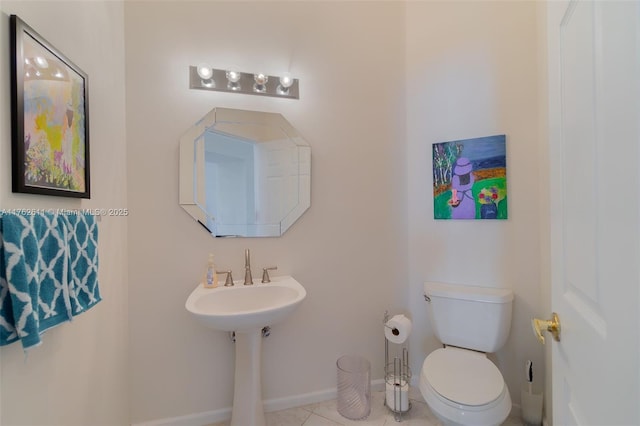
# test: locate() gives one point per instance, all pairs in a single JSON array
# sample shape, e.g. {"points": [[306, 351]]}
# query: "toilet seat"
{"points": [[463, 376], [454, 369]]}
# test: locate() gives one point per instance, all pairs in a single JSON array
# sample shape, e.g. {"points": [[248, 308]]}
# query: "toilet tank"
{"points": [[477, 318]]}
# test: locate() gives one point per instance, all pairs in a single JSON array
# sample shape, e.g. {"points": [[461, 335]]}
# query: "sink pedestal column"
{"points": [[247, 391]]}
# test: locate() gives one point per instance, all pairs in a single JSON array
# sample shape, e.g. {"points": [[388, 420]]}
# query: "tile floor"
{"points": [[326, 414]]}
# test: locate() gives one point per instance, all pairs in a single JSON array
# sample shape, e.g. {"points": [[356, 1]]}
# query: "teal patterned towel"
{"points": [[48, 272], [82, 240]]}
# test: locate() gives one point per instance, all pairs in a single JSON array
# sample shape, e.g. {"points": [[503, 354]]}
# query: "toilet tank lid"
{"points": [[465, 292]]}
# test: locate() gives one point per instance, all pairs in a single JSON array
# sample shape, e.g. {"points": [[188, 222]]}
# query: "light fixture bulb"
{"points": [[261, 79], [233, 76], [41, 62], [286, 80], [205, 72]]}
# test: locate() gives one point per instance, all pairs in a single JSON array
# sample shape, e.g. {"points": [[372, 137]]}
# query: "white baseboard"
{"points": [[198, 419], [293, 401], [276, 404]]}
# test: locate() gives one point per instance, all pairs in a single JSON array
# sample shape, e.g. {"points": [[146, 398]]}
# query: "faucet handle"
{"points": [[228, 282], [265, 273]]}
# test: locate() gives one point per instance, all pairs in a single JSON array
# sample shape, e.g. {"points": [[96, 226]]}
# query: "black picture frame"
{"points": [[49, 118]]}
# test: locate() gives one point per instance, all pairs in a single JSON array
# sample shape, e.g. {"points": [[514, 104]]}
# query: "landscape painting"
{"points": [[50, 133], [470, 179]]}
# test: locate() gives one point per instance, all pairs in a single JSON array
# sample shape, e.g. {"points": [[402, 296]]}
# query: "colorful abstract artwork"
{"points": [[50, 120], [470, 179]]}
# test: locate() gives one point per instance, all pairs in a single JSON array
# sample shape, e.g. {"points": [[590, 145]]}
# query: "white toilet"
{"points": [[460, 384]]}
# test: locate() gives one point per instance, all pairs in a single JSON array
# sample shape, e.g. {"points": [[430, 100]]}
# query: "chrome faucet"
{"points": [[248, 280]]}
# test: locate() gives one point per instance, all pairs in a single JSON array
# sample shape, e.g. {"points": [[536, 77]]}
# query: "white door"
{"points": [[276, 180], [594, 90]]}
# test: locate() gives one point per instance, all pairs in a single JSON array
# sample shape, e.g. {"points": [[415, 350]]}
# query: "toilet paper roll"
{"points": [[397, 329], [397, 395]]}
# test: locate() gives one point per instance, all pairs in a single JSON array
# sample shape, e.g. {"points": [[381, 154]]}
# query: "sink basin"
{"points": [[244, 308]]}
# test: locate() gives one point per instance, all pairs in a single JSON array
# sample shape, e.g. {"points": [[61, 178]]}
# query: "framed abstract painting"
{"points": [[50, 118], [470, 179]]}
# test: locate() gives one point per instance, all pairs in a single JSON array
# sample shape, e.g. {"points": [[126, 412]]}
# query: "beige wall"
{"points": [[348, 249], [472, 70], [78, 376]]}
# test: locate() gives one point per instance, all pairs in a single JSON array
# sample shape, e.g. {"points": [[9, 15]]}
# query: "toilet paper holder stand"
{"points": [[397, 375]]}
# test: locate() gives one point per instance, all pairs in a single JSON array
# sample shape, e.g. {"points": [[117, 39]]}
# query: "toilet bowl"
{"points": [[458, 382], [463, 387]]}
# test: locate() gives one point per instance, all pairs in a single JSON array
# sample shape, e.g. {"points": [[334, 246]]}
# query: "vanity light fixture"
{"points": [[204, 77]]}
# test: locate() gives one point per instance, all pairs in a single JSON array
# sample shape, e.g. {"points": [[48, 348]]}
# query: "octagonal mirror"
{"points": [[244, 173]]}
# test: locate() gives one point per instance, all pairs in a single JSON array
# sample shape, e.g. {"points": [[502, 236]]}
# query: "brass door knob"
{"points": [[552, 326]]}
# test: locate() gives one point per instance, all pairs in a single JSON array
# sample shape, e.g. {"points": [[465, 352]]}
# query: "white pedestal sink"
{"points": [[246, 310]]}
